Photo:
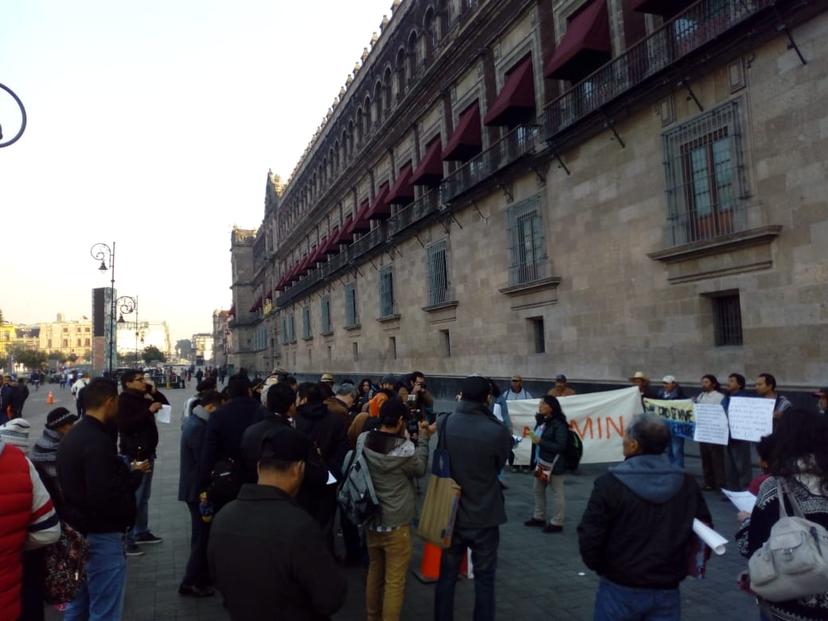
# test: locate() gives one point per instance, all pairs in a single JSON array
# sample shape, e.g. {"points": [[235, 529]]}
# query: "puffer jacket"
{"points": [[394, 464], [15, 515]]}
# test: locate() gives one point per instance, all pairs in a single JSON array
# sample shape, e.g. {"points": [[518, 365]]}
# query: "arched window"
{"points": [[368, 115], [413, 54], [351, 139], [360, 120], [378, 111], [432, 39], [388, 86], [444, 17], [402, 79]]}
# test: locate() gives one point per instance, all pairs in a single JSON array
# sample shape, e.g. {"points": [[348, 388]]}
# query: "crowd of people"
{"points": [[261, 470]]}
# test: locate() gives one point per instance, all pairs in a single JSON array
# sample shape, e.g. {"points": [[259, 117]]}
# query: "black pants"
{"points": [[197, 573], [32, 594]]}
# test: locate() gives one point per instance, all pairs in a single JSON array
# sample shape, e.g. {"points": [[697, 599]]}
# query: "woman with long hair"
{"points": [[549, 440], [799, 461]]}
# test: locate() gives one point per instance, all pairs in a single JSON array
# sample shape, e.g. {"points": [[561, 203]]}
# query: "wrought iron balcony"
{"points": [[517, 143], [367, 242], [696, 26], [412, 213]]}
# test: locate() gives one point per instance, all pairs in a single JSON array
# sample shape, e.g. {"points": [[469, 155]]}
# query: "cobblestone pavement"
{"points": [[540, 576]]}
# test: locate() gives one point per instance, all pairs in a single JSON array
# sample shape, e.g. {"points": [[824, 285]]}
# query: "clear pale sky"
{"points": [[153, 124]]}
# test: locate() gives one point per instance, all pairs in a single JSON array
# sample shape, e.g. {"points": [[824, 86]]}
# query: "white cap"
{"points": [[668, 379]]}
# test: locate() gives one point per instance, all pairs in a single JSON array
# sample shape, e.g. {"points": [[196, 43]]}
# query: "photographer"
{"points": [[394, 463], [415, 385]]}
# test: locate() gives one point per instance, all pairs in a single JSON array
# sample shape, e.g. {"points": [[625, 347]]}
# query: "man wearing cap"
{"points": [[822, 400], [264, 571], [516, 390], [561, 388], [327, 378], [478, 445], [44, 452]]}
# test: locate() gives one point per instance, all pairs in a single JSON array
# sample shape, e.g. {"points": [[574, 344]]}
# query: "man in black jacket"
{"points": [[268, 572], [227, 425], [139, 440], [98, 501], [478, 445], [637, 530]]}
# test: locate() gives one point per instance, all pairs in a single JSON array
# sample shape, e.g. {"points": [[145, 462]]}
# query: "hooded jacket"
{"points": [[637, 529], [394, 464], [327, 430], [553, 442]]}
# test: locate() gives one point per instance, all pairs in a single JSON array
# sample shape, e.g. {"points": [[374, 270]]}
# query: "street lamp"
{"points": [[126, 306], [101, 252], [22, 128]]}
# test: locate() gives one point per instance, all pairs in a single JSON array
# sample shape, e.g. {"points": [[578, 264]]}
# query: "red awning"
{"points": [[256, 305], [346, 231], [304, 266], [466, 141], [402, 192], [361, 224], [380, 207], [584, 47], [332, 247], [430, 169], [320, 251], [665, 8], [516, 101]]}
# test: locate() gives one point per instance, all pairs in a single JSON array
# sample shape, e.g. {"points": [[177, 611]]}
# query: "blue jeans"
{"points": [[101, 596], [676, 451], [483, 543], [142, 496], [614, 602]]}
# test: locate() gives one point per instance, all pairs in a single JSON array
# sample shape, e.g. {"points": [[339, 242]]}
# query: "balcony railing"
{"points": [[517, 143], [367, 242], [688, 31], [423, 206], [693, 225]]}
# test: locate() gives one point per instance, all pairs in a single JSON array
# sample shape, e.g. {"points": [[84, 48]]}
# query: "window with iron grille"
{"points": [[351, 308], [727, 319], [306, 323], [386, 291], [283, 334], [538, 334], [291, 329], [704, 168], [527, 249], [325, 313], [438, 276]]}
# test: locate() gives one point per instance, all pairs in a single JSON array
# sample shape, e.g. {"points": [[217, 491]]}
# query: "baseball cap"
{"points": [[560, 377], [327, 377], [285, 444], [517, 378], [668, 379], [59, 417]]}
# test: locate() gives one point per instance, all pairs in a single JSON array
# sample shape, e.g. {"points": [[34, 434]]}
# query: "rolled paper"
{"points": [[711, 538]]}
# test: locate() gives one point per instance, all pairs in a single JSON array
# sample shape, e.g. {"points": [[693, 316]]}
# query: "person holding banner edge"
{"points": [[671, 391], [549, 440], [712, 455], [738, 463]]}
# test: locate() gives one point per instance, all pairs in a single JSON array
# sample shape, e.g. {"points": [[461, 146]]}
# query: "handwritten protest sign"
{"points": [[678, 414], [750, 418], [711, 423], [600, 418]]}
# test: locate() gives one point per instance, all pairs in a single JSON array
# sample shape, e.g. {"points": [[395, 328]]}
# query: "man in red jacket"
{"points": [[27, 520]]}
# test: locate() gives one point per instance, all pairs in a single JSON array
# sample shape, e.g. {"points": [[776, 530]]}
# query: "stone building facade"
{"points": [[591, 187]]}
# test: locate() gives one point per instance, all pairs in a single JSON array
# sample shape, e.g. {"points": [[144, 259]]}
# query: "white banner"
{"points": [[599, 418]]}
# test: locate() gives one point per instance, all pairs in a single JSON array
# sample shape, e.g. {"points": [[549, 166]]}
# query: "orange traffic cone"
{"points": [[430, 565], [50, 398]]}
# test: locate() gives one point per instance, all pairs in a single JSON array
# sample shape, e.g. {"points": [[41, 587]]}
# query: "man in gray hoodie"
{"points": [[394, 463], [637, 530]]}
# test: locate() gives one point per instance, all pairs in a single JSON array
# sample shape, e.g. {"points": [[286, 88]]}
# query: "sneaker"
{"points": [[147, 538], [534, 522], [552, 528], [133, 550], [195, 591]]}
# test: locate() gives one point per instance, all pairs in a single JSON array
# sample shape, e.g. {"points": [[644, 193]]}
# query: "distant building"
{"points": [[221, 337], [203, 348], [184, 350], [132, 337], [67, 337]]}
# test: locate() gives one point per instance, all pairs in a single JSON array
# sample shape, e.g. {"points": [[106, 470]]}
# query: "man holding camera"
{"points": [[415, 393]]}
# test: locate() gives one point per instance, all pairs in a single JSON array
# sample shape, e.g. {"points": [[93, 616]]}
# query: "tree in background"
{"points": [[153, 354], [29, 358]]}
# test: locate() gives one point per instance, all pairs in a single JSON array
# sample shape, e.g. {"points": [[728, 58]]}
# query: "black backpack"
{"points": [[574, 450], [225, 482]]}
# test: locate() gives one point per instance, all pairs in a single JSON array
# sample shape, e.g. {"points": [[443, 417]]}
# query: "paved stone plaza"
{"points": [[540, 576]]}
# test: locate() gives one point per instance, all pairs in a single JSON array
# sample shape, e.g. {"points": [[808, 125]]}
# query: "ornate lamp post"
{"points": [[20, 131], [101, 252], [126, 306]]}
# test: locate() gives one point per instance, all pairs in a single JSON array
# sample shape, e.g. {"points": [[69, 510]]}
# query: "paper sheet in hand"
{"points": [[743, 501], [750, 418], [331, 479], [711, 538], [164, 415], [711, 424]]}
